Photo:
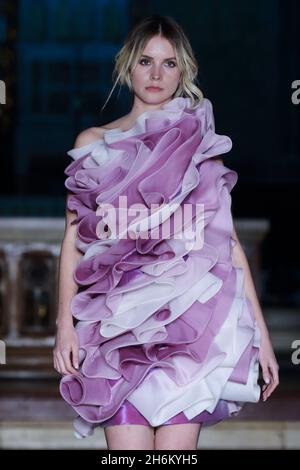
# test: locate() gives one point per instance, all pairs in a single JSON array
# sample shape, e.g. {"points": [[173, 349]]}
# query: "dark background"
{"points": [[56, 59]]}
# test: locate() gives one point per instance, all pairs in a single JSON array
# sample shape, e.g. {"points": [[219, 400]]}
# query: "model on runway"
{"points": [[159, 328]]}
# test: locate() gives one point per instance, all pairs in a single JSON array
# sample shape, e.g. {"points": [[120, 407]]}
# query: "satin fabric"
{"points": [[167, 334]]}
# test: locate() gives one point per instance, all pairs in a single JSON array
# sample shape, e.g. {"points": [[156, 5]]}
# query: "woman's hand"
{"points": [[269, 366], [65, 353]]}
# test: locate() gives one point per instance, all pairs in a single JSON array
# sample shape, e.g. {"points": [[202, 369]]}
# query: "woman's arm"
{"points": [[240, 260], [69, 256], [267, 357], [65, 353]]}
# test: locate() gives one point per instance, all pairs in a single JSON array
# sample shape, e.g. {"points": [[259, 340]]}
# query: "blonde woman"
{"points": [[158, 332]]}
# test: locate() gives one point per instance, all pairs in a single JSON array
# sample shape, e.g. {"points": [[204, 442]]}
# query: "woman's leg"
{"points": [[129, 436], [177, 436]]}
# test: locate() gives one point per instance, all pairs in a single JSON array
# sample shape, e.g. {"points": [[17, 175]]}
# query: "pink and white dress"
{"points": [[167, 334]]}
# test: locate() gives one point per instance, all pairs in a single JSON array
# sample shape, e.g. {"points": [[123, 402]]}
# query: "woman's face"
{"points": [[157, 67]]}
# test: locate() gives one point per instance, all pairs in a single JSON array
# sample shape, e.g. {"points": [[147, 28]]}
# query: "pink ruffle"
{"points": [[153, 314]]}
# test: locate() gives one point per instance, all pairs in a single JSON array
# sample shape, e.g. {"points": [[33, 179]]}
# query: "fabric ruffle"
{"points": [[167, 334]]}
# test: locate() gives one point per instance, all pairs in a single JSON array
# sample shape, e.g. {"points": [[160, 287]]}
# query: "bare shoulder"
{"points": [[88, 136], [93, 134]]}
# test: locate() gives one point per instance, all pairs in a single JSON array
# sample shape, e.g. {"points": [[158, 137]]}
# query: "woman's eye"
{"points": [[170, 63], [143, 60]]}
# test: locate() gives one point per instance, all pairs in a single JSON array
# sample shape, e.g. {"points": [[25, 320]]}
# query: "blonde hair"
{"points": [[136, 41]]}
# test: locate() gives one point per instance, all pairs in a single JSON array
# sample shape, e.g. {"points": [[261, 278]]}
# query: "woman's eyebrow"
{"points": [[149, 57]]}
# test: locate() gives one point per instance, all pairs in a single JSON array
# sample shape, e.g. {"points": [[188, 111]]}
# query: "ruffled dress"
{"points": [[166, 332]]}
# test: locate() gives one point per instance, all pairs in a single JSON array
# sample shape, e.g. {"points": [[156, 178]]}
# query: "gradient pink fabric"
{"points": [[167, 334]]}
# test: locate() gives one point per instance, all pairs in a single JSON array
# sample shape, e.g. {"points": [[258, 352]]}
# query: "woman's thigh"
{"points": [[129, 436], [177, 436]]}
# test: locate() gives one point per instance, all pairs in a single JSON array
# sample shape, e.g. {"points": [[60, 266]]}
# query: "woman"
{"points": [[169, 334]]}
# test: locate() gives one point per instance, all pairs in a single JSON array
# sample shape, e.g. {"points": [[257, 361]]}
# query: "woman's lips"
{"points": [[153, 88]]}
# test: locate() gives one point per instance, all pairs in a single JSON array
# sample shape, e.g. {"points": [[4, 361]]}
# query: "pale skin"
{"points": [[156, 67]]}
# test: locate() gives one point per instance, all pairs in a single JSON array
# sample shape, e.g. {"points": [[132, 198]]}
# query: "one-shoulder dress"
{"points": [[167, 334]]}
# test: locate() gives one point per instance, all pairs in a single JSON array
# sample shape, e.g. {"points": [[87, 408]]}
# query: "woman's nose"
{"points": [[156, 71]]}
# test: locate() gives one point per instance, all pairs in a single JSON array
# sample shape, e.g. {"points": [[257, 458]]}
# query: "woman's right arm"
{"points": [[66, 349], [65, 354]]}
